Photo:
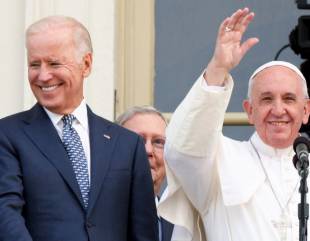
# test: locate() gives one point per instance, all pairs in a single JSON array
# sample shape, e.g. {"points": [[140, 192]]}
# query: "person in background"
{"points": [[242, 190], [150, 124], [65, 173]]}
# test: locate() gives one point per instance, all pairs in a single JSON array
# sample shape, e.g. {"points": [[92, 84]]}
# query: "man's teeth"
{"points": [[279, 123], [49, 88]]}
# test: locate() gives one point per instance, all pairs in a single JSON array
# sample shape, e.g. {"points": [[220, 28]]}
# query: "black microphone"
{"points": [[299, 165], [296, 162], [302, 147]]}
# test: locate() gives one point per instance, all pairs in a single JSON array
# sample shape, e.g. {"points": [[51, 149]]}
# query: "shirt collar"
{"points": [[269, 150], [80, 114], [156, 203]]}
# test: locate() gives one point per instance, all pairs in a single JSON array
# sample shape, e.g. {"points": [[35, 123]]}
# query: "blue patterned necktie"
{"points": [[74, 148]]}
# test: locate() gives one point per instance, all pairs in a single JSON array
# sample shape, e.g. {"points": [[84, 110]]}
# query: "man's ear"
{"points": [[247, 106], [306, 112], [87, 64]]}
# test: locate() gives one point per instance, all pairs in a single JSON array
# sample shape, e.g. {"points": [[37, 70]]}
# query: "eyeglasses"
{"points": [[157, 143]]}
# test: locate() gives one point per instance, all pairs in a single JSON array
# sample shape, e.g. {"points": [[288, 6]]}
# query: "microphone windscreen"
{"points": [[295, 161], [302, 139]]}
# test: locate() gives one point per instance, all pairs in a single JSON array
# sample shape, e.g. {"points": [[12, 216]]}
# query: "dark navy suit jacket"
{"points": [[167, 229], [40, 198]]}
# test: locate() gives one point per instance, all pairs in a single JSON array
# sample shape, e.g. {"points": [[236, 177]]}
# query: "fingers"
{"points": [[238, 21], [247, 45], [243, 24], [224, 26], [237, 17]]}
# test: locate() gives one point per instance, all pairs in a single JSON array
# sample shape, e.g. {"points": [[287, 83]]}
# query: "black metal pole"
{"points": [[303, 206]]}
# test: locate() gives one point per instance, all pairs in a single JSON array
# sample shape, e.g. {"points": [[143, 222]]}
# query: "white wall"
{"points": [[12, 56], [16, 16]]}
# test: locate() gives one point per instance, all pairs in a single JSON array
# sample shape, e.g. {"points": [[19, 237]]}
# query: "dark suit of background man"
{"points": [[151, 125], [40, 194]]}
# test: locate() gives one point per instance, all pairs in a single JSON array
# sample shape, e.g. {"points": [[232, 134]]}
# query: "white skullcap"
{"points": [[278, 63]]}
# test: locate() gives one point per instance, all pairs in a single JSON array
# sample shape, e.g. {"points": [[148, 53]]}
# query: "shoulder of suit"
{"points": [[15, 117], [116, 127]]}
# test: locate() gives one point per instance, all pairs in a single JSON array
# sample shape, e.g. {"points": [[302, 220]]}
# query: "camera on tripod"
{"points": [[300, 37], [303, 4], [299, 41]]}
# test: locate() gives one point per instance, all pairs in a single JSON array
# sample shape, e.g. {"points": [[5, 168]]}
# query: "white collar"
{"points": [[247, 168], [270, 151], [80, 114]]}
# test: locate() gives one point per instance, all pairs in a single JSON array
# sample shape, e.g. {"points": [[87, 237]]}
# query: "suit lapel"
{"points": [[102, 142], [41, 131]]}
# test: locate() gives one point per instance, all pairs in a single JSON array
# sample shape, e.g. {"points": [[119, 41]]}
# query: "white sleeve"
{"points": [[190, 151]]}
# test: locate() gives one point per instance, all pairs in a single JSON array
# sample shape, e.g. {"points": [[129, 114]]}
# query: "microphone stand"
{"points": [[303, 206]]}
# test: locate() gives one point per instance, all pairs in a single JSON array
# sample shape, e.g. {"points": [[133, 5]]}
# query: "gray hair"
{"points": [[81, 36], [135, 110], [278, 63]]}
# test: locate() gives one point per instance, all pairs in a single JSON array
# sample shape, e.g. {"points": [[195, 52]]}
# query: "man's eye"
{"points": [[159, 142], [34, 65], [266, 99], [55, 64], [289, 99]]}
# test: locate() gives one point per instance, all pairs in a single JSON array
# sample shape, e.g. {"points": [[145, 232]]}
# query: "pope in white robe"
{"points": [[220, 189]]}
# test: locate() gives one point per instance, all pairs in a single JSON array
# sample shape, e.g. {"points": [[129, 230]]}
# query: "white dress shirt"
{"points": [[80, 124]]}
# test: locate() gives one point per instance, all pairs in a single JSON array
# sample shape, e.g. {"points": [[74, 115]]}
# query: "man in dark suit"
{"points": [[151, 125], [65, 173]]}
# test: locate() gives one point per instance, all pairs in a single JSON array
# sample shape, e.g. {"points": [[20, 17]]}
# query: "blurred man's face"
{"points": [[278, 106], [55, 75], [152, 128]]}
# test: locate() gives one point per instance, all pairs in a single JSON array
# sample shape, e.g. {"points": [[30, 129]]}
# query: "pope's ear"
{"points": [[247, 106], [305, 119]]}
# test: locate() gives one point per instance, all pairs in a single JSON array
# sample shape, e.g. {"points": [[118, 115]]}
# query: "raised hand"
{"points": [[229, 50]]}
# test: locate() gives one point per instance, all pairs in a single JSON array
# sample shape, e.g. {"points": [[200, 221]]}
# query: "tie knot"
{"points": [[68, 119]]}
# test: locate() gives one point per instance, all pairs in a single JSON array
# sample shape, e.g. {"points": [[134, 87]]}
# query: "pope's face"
{"points": [[278, 106], [152, 129], [55, 75]]}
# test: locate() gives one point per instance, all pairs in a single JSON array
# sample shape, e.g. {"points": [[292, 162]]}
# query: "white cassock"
{"points": [[220, 189]]}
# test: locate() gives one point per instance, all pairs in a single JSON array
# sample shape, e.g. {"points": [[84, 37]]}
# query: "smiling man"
{"points": [[276, 103], [242, 190], [150, 124], [67, 174]]}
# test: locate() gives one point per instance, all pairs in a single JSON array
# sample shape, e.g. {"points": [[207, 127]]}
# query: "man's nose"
{"points": [[149, 147], [44, 74], [278, 108]]}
